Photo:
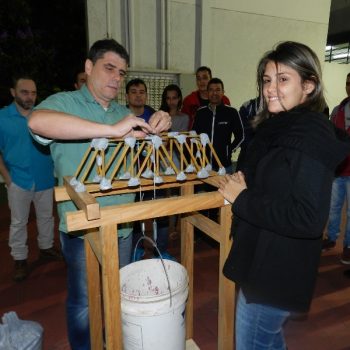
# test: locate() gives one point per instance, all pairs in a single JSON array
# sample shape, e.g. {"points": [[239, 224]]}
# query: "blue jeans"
{"points": [[77, 300], [259, 327], [340, 192]]}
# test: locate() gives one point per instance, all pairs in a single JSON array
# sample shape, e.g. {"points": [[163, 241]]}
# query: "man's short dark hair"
{"points": [[215, 81], [100, 47], [78, 73], [204, 69], [135, 82], [17, 77]]}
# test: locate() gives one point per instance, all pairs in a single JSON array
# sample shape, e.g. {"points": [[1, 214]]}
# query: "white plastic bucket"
{"points": [[152, 317]]}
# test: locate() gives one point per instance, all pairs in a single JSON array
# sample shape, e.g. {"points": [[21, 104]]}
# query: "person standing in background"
{"points": [[172, 103], [27, 169], [80, 80], [341, 185], [136, 98], [220, 122], [347, 89], [199, 97]]}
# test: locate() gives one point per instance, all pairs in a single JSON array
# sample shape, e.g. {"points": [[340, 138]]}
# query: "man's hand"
{"points": [[160, 121], [131, 126]]}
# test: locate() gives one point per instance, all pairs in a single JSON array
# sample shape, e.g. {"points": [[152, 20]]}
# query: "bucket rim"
{"points": [[182, 284], [174, 291]]}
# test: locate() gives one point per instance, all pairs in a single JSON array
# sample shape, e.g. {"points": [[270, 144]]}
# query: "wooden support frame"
{"points": [[101, 248], [83, 200]]}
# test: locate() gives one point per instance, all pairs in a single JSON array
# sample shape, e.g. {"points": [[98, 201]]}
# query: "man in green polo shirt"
{"points": [[67, 121]]}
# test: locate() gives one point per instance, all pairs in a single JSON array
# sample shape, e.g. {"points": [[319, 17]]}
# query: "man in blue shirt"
{"points": [[27, 169]]}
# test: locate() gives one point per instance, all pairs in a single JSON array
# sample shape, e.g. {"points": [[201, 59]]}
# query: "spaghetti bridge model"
{"points": [[111, 167], [152, 158], [110, 164]]}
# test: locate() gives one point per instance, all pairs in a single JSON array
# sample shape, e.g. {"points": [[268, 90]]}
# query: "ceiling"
{"points": [[339, 22]]}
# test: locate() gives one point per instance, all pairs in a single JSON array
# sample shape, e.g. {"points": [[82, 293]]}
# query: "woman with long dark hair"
{"points": [[280, 199], [172, 103]]}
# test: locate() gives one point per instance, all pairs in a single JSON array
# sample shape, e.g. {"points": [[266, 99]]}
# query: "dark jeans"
{"points": [[77, 312]]}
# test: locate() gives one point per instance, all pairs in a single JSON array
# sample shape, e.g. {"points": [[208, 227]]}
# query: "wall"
{"points": [[228, 35]]}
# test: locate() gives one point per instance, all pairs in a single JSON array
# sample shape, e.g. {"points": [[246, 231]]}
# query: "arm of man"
{"points": [[58, 125], [4, 172]]}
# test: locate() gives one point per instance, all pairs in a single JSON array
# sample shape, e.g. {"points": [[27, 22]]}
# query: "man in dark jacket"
{"points": [[220, 122], [199, 97]]}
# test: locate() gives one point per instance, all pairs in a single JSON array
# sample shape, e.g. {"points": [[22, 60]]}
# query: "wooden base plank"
{"points": [[191, 345]]}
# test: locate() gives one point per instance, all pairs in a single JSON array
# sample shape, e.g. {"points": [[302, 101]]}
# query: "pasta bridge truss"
{"points": [[154, 157], [115, 166]]}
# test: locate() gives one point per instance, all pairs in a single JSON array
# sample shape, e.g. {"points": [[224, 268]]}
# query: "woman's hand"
{"points": [[230, 186]]}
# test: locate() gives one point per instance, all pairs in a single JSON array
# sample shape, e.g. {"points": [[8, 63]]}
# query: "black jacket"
{"points": [[219, 125], [279, 218]]}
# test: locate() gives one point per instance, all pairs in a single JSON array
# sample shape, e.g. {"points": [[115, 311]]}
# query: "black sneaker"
{"points": [[21, 270], [327, 244], [50, 254]]}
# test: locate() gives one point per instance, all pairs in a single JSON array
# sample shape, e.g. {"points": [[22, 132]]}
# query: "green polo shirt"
{"points": [[67, 155]]}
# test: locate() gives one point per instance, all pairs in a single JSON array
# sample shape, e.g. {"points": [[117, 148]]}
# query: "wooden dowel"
{"points": [[103, 163], [157, 162], [178, 146], [88, 151], [169, 159], [195, 163], [144, 163], [88, 169], [124, 164], [114, 154], [215, 155], [120, 160], [131, 167], [163, 159], [134, 159]]}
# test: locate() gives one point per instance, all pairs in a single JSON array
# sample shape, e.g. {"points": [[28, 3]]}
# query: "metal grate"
{"points": [[156, 82], [338, 53]]}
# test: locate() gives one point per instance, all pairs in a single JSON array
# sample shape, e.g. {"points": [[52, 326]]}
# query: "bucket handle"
{"points": [[162, 260]]}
